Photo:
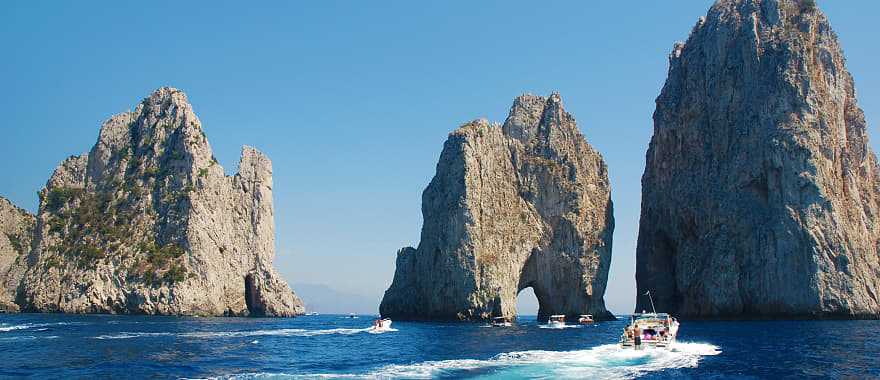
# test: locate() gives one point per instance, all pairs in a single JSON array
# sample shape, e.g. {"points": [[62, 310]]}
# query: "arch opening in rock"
{"points": [[527, 304]]}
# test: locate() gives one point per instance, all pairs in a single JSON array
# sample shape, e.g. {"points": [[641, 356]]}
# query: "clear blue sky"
{"points": [[353, 100]]}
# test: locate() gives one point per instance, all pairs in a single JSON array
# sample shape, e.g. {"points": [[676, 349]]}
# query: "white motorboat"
{"points": [[556, 321], [381, 325], [650, 330], [502, 322], [586, 319]]}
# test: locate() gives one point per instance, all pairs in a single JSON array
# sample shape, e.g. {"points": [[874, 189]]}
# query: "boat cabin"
{"points": [[502, 321], [557, 319]]}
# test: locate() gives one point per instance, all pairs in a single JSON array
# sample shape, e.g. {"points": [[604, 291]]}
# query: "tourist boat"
{"points": [[352, 316], [502, 322], [381, 325], [585, 319], [556, 321], [650, 330]]}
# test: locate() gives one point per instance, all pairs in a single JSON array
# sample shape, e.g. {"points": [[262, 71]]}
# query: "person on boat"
{"points": [[637, 339]]}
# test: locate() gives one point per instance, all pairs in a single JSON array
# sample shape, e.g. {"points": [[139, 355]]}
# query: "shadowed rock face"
{"points": [[148, 223], [526, 204], [760, 193], [16, 235]]}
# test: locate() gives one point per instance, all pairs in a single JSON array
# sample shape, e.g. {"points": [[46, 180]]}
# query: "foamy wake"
{"points": [[604, 362], [240, 334]]}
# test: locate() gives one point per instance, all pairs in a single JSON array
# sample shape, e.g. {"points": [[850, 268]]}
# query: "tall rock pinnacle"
{"points": [[760, 193], [526, 204], [148, 223]]}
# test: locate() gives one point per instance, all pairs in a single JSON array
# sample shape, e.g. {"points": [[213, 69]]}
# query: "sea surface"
{"points": [[335, 346]]}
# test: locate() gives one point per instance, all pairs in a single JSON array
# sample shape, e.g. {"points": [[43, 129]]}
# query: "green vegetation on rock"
{"points": [[59, 196]]}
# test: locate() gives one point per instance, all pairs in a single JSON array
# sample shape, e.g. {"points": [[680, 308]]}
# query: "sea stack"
{"points": [[760, 193], [526, 204], [147, 222]]}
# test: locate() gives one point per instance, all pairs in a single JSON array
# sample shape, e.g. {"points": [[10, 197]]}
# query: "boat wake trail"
{"points": [[604, 362], [607, 362], [560, 327], [382, 331], [240, 334]]}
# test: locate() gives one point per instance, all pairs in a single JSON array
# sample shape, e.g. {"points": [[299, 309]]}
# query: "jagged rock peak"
{"points": [[525, 204], [148, 222], [760, 192], [534, 117]]}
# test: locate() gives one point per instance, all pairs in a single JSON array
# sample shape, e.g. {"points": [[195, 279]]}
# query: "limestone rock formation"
{"points": [[760, 193], [526, 204], [148, 223], [16, 235]]}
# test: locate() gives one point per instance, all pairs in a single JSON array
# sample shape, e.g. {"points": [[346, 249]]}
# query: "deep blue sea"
{"points": [[333, 346]]}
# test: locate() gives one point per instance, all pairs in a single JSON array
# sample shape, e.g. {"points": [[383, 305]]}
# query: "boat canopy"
{"points": [[651, 316]]}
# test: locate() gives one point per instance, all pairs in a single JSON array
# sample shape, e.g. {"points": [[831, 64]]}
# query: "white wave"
{"points": [[130, 335], [26, 337], [239, 334], [35, 326], [602, 362], [560, 327]]}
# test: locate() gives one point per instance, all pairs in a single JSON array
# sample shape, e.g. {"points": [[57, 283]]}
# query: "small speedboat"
{"points": [[381, 325], [585, 319], [502, 322], [352, 316], [650, 329], [556, 321]]}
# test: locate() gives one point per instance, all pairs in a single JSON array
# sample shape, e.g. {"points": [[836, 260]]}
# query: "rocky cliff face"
{"points": [[760, 195], [147, 222], [526, 204], [16, 234]]}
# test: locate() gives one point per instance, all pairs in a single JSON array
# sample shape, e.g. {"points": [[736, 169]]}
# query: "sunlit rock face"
{"points": [[147, 222], [760, 193], [524, 204]]}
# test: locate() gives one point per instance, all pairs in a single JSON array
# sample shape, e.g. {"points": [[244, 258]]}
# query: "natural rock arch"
{"points": [[526, 204]]}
